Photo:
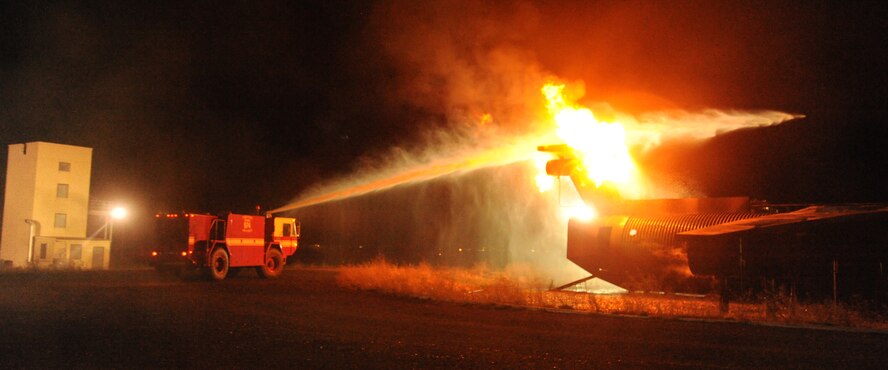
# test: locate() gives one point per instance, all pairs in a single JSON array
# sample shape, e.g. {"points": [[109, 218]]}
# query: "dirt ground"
{"points": [[137, 318]]}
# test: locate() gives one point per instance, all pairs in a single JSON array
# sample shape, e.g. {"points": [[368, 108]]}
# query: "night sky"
{"points": [[221, 106]]}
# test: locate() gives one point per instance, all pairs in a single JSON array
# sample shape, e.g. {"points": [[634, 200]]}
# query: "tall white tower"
{"points": [[47, 195]]}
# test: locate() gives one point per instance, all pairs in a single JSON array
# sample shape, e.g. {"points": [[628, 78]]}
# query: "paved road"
{"points": [[140, 319]]}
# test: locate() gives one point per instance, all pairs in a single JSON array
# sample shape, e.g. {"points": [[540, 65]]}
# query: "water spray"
{"points": [[517, 150]]}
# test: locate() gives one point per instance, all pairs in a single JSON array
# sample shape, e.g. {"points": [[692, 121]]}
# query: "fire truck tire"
{"points": [[274, 265], [218, 264]]}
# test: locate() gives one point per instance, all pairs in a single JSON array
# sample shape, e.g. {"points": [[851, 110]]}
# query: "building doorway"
{"points": [[98, 258]]}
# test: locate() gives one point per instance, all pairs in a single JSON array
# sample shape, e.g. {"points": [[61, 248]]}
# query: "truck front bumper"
{"points": [[170, 261]]}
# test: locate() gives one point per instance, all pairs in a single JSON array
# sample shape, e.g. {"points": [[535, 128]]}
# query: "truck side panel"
{"points": [[244, 237]]}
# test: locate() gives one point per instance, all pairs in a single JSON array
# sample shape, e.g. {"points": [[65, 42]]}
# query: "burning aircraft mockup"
{"points": [[686, 244]]}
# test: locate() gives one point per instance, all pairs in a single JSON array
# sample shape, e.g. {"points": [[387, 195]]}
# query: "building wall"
{"points": [[46, 202], [21, 179], [52, 252], [33, 177]]}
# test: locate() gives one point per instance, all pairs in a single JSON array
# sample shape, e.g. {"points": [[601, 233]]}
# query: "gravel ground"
{"points": [[138, 318]]}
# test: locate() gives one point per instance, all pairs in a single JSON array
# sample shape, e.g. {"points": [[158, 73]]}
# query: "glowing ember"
{"points": [[486, 118]]}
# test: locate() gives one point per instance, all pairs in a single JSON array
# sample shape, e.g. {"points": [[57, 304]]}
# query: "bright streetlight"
{"points": [[118, 213]]}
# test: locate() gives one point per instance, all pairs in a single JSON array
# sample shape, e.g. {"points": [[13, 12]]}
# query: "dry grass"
{"points": [[478, 284], [521, 287]]}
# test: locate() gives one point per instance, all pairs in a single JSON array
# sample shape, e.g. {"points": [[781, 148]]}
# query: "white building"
{"points": [[46, 208]]}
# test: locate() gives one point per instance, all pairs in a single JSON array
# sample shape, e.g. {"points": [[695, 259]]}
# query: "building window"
{"points": [[65, 166], [43, 251], [62, 191], [61, 220], [76, 251]]}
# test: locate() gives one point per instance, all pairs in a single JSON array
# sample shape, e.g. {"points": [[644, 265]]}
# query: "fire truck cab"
{"points": [[223, 246]]}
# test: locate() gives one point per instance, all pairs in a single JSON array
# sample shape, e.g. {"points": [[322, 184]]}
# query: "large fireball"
{"points": [[599, 146]]}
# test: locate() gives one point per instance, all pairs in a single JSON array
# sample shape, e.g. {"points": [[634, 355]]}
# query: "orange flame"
{"points": [[600, 146]]}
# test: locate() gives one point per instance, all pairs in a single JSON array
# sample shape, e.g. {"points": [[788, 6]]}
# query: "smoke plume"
{"points": [[467, 188]]}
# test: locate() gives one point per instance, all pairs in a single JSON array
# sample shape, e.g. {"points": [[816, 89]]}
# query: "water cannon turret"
{"points": [[604, 197]]}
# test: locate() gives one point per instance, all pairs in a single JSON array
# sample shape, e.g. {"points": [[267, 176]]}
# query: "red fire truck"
{"points": [[223, 246]]}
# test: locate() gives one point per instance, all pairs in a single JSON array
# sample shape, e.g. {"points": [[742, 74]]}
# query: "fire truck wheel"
{"points": [[218, 264], [274, 265]]}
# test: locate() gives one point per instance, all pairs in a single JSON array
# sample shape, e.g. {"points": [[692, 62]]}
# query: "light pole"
{"points": [[32, 225], [117, 213]]}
